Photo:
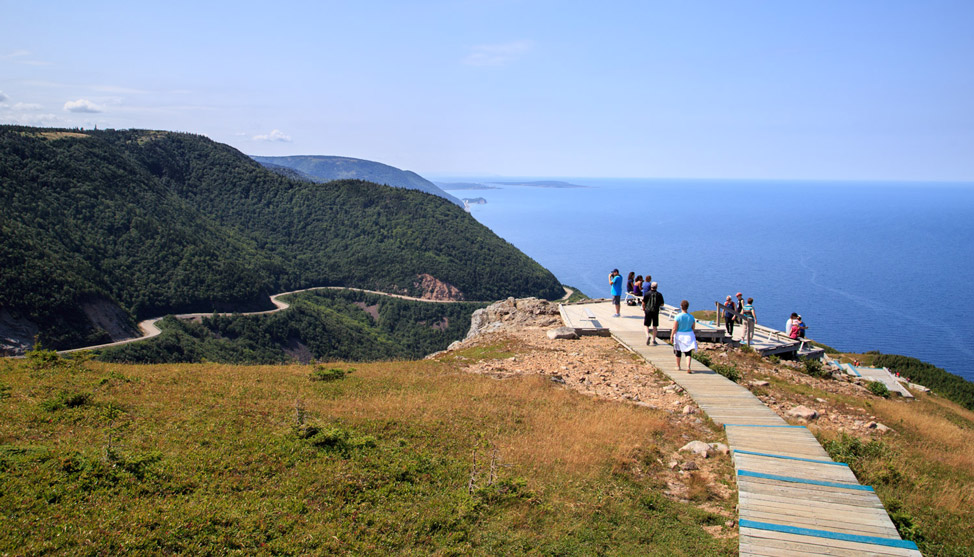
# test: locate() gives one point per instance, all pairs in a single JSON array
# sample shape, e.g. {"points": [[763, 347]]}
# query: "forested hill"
{"points": [[98, 225], [321, 168]]}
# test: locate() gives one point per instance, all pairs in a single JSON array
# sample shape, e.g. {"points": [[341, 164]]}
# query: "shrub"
{"points": [[727, 371], [703, 358], [330, 374], [879, 389], [774, 359], [814, 367], [65, 399]]}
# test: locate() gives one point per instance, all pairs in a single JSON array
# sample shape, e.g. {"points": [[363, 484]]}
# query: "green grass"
{"points": [[206, 458]]}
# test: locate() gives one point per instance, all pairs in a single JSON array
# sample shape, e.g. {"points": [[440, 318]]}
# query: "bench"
{"points": [[589, 315]]}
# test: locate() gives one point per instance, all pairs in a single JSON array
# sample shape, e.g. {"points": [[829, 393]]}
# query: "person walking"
{"points": [[652, 303], [684, 336], [615, 288], [750, 318], [729, 318]]}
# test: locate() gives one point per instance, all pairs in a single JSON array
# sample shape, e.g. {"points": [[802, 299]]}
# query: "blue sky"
{"points": [[806, 90]]}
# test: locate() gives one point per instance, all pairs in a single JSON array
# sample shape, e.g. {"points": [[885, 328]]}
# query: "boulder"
{"points": [[720, 448], [803, 412], [698, 448], [689, 410], [562, 333]]}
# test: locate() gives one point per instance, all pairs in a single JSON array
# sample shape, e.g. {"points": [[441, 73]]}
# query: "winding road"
{"points": [[150, 329]]}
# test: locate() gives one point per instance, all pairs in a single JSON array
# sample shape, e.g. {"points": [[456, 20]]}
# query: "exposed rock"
{"points": [[698, 448], [562, 333], [720, 448], [803, 412], [432, 288], [877, 426], [689, 465], [511, 315], [759, 383], [689, 410]]}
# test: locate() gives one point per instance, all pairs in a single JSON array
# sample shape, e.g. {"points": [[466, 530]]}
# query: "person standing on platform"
{"points": [[729, 316], [615, 288], [652, 303], [684, 336], [750, 319], [740, 307]]}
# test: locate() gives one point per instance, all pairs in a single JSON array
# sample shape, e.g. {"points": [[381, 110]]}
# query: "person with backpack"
{"points": [[652, 303], [729, 318]]}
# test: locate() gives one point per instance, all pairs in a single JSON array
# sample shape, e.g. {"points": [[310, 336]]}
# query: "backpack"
{"points": [[651, 300]]}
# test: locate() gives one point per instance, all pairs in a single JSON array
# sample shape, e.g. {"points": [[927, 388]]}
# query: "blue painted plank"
{"points": [[758, 425], [874, 540], [855, 487], [792, 458]]}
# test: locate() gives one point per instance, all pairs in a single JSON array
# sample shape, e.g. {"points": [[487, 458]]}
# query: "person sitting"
{"points": [[637, 286], [629, 281]]}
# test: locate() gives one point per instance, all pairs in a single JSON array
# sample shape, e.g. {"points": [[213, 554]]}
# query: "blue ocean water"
{"points": [[869, 266]]}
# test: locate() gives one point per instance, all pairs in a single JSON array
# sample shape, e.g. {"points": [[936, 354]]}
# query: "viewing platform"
{"points": [[793, 499], [594, 317]]}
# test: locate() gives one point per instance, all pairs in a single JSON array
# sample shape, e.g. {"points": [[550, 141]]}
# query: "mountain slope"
{"points": [[141, 223], [321, 168]]}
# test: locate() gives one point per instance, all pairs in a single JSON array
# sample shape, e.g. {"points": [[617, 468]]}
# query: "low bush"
{"points": [[727, 371], [321, 373], [879, 389]]}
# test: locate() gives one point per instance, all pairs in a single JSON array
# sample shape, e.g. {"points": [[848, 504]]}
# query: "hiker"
{"points": [[615, 288], [801, 327], [740, 307], [729, 318], [684, 338], [750, 318], [637, 287], [630, 282], [652, 302]]}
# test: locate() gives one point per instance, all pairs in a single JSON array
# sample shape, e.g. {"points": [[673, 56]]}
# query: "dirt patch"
{"points": [[62, 135], [372, 310], [106, 315], [431, 288]]}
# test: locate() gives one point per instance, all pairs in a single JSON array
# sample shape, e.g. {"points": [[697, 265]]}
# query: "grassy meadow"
{"points": [[394, 457]]}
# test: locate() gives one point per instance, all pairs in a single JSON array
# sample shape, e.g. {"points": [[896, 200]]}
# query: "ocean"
{"points": [[869, 266]]}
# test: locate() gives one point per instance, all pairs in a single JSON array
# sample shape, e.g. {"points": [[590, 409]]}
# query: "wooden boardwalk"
{"points": [[793, 499]]}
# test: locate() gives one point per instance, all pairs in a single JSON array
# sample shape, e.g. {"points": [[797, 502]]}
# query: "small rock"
{"points": [[689, 465], [698, 448], [558, 379], [562, 333], [803, 412], [689, 410], [720, 448], [820, 400], [759, 383], [674, 465], [729, 524]]}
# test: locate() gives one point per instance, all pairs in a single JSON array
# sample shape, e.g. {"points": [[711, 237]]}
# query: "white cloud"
{"points": [[27, 106], [275, 135], [81, 105], [499, 54]]}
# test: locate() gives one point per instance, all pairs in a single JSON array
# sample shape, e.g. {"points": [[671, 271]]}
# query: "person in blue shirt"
{"points": [[615, 284], [684, 336]]}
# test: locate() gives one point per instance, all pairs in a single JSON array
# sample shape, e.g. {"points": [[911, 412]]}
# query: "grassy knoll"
{"points": [[346, 459]]}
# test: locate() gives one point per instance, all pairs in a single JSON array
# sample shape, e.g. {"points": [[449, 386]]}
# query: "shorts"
{"points": [[651, 319], [687, 353], [616, 298]]}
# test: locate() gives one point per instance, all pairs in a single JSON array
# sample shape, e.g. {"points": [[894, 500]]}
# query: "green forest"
{"points": [[323, 325], [161, 222]]}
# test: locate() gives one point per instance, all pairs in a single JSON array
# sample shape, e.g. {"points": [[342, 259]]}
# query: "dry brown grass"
{"points": [[61, 135]]}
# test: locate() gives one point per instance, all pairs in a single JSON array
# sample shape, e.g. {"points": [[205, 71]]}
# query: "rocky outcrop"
{"points": [[511, 314], [432, 288]]}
